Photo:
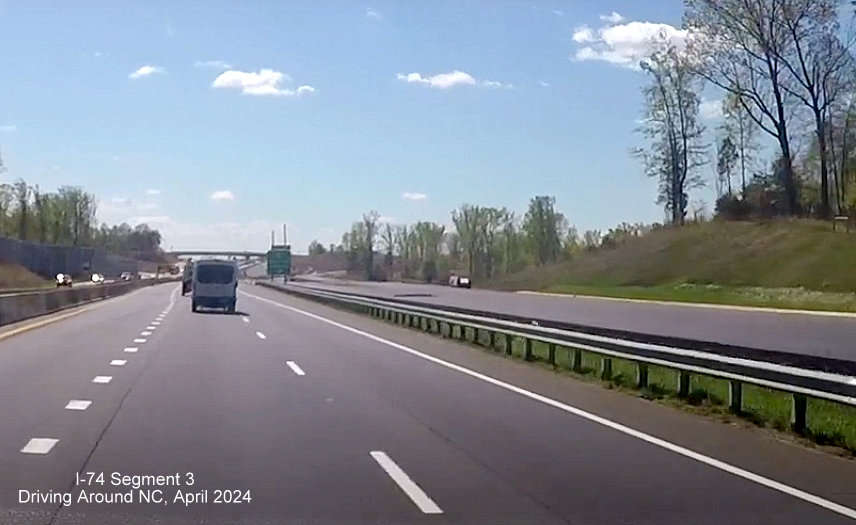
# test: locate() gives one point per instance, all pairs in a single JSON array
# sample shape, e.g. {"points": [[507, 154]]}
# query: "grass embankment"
{"points": [[14, 276], [784, 264]]}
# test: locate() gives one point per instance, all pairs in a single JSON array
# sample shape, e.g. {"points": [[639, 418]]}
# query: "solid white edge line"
{"points": [[672, 447], [407, 485], [261, 335], [294, 368], [103, 380], [131, 349], [78, 404], [118, 362], [39, 445]]}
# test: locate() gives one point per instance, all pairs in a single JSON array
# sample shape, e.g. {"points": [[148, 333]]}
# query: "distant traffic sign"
{"points": [[279, 260]]}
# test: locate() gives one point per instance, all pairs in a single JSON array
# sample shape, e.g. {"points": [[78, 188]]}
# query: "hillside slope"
{"points": [[15, 276], [775, 255]]}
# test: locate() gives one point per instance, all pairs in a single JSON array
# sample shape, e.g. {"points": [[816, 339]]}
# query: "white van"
{"points": [[215, 284]]}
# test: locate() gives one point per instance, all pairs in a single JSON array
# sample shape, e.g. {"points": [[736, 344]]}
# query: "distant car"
{"points": [[126, 276], [97, 278], [64, 279], [459, 281]]}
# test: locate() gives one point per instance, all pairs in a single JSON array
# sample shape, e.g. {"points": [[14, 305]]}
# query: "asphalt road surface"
{"points": [[810, 334], [305, 414]]}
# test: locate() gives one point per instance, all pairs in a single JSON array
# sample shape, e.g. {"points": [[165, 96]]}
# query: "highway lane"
{"points": [[787, 332], [319, 423]]}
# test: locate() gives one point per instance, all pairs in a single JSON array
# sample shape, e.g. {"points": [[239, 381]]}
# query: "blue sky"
{"points": [[217, 121]]}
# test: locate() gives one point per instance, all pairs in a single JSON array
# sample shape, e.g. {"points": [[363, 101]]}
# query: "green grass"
{"points": [[784, 264], [14, 276]]}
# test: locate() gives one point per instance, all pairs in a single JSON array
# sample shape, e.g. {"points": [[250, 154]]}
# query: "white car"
{"points": [[459, 281]]}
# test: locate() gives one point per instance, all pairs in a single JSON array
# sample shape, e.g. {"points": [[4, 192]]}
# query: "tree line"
{"points": [[68, 217], [786, 71], [484, 242]]}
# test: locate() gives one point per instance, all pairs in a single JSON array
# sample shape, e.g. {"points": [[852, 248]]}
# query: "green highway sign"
{"points": [[279, 260]]}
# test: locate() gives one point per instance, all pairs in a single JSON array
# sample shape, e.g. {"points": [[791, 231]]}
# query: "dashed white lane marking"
{"points": [[244, 319], [139, 340], [118, 362], [406, 484], [131, 349], [261, 335], [156, 323], [296, 369], [151, 327], [594, 418], [78, 404], [103, 380], [39, 445], [145, 333]]}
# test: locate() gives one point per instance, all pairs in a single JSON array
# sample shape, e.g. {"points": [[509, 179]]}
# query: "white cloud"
{"points": [[583, 34], [448, 80], [222, 195], [8, 127], [543, 84], [152, 192], [145, 71], [120, 200], [373, 14], [612, 18], [412, 196], [495, 84], [710, 109], [115, 158], [144, 206], [265, 82], [558, 12], [624, 44], [216, 64], [98, 54]]}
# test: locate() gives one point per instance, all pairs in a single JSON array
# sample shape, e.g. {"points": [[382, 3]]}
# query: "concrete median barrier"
{"points": [[19, 306]]}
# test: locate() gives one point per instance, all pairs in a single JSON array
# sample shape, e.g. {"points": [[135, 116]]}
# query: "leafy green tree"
{"points": [[543, 227]]}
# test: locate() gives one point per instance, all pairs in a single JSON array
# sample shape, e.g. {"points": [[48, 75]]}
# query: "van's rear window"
{"points": [[214, 274]]}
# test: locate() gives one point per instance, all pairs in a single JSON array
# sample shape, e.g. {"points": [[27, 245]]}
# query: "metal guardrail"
{"points": [[823, 378], [19, 306]]}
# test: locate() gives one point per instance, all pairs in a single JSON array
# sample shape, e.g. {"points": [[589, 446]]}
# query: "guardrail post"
{"points": [[440, 328], [735, 396], [798, 410], [491, 340], [605, 368], [462, 333], [641, 375], [683, 384], [508, 341], [476, 338], [577, 360], [527, 349], [551, 353]]}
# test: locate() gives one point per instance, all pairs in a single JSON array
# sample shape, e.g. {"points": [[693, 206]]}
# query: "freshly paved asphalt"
{"points": [[214, 395], [785, 332]]}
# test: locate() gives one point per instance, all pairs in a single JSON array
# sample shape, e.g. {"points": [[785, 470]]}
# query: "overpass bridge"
{"points": [[219, 253]]}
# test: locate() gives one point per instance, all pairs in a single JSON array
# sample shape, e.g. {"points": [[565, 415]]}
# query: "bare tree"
{"points": [[370, 221], [672, 124], [743, 130], [738, 46], [819, 63]]}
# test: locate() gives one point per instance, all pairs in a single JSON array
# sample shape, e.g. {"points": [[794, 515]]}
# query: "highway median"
{"points": [[809, 397]]}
